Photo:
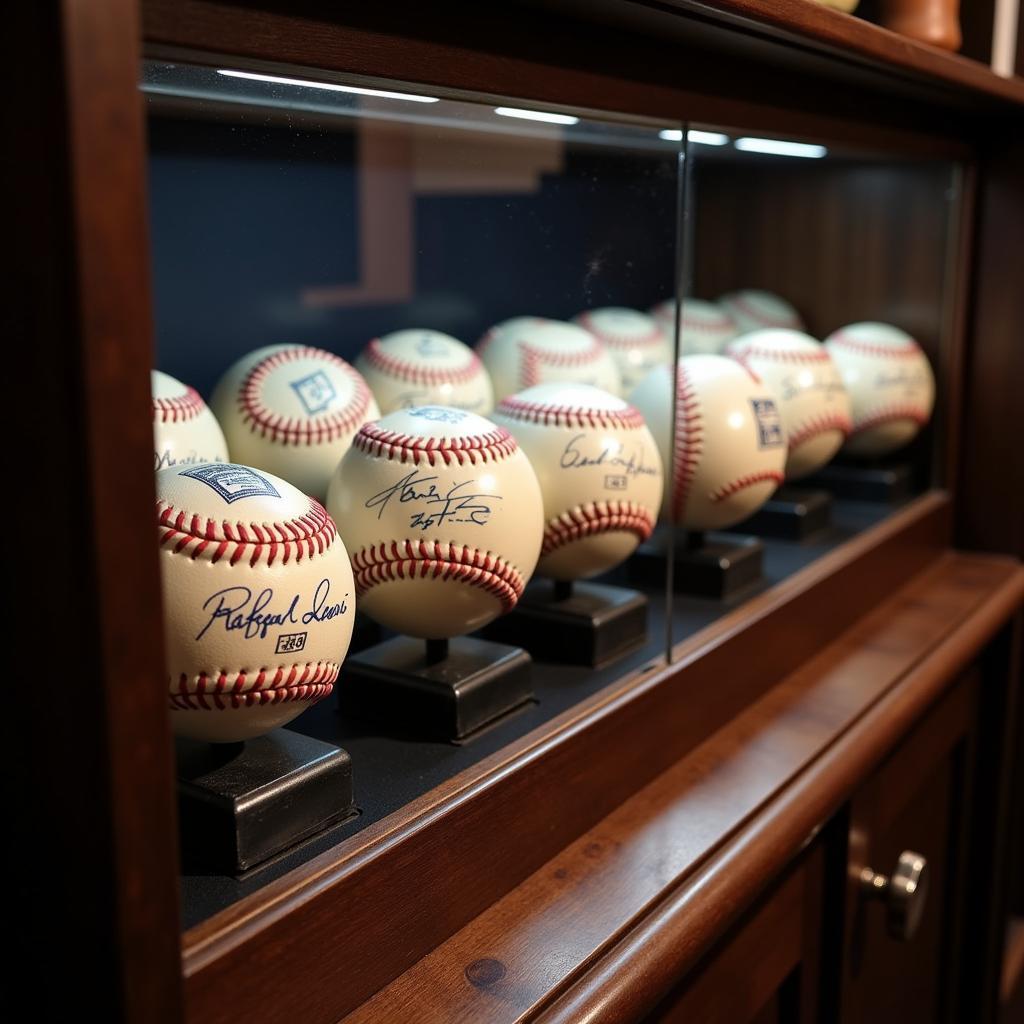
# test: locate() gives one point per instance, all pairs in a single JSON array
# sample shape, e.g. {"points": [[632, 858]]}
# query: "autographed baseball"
{"points": [[729, 451], [524, 351], [292, 410], [891, 387], [704, 328], [184, 429], [752, 310], [635, 340], [258, 600], [599, 473], [443, 516], [813, 402], [422, 367]]}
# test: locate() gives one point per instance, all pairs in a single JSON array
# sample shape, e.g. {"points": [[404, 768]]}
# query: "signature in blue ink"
{"points": [[239, 611], [432, 506], [576, 455]]}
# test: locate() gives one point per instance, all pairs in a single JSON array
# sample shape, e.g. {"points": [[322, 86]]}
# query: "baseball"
{"points": [[185, 432], [891, 387], [813, 402], [599, 472], [524, 351], [442, 514], [704, 328], [258, 600], [753, 310], [422, 367], [729, 451], [292, 410], [635, 340]]}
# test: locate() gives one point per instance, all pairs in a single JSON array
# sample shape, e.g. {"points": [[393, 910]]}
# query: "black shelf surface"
{"points": [[390, 770]]}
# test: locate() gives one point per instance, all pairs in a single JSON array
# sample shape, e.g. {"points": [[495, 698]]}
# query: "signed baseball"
{"points": [[442, 514], [635, 340], [599, 473], [891, 387], [813, 402], [524, 351], [752, 310], [422, 367], [729, 450], [704, 327], [258, 600], [292, 410], [184, 429]]}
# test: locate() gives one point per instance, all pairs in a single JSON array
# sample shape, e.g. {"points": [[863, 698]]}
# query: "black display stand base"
{"points": [[575, 623], [791, 513], [869, 482], [239, 804], [436, 689], [716, 566]]}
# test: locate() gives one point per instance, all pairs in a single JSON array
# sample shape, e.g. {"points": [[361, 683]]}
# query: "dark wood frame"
{"points": [[89, 202]]}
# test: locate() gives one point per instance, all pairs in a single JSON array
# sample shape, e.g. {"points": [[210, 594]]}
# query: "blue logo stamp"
{"points": [[315, 391], [438, 414], [430, 345], [769, 423], [232, 482]]}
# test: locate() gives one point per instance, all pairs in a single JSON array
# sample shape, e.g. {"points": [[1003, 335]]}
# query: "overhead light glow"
{"points": [[328, 86], [778, 147], [537, 115], [671, 134], [708, 138]]}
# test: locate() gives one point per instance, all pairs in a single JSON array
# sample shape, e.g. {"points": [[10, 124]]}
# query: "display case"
{"points": [[632, 267]]}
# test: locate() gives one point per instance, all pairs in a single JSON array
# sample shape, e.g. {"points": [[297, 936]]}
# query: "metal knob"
{"points": [[905, 893]]}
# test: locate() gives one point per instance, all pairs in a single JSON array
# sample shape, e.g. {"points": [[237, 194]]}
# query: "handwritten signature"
{"points": [[792, 386], [456, 505], [237, 610], [575, 456], [192, 458]]}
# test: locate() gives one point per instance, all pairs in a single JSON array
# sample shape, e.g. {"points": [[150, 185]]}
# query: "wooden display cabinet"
{"points": [[621, 859]]}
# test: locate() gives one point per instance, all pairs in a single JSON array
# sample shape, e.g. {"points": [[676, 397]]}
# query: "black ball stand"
{"points": [[791, 513]]}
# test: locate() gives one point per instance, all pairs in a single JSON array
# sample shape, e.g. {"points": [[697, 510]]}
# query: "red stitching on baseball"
{"points": [[197, 536], [416, 373], [534, 359], [179, 408], [765, 319], [594, 518], [739, 352], [890, 413], [412, 559], [569, 415], [689, 441], [301, 430], [906, 349], [743, 482], [389, 444], [820, 424], [491, 333], [723, 323], [226, 691], [653, 337]]}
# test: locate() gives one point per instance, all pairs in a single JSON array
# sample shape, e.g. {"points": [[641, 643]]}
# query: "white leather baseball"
{"points": [[185, 432], [524, 351], [890, 383], [292, 411], [813, 402], [405, 369], [752, 310], [599, 471], [729, 450], [635, 340], [258, 600], [704, 328], [443, 517]]}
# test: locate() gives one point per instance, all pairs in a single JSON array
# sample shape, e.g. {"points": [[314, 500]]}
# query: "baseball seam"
{"points": [[225, 690], [416, 373], [819, 424], [743, 482], [490, 447], [179, 408], [534, 358], [906, 350], [689, 441], [765, 319], [489, 336], [422, 559], [596, 518], [320, 429], [889, 413], [741, 352], [653, 337], [524, 411], [203, 537]]}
